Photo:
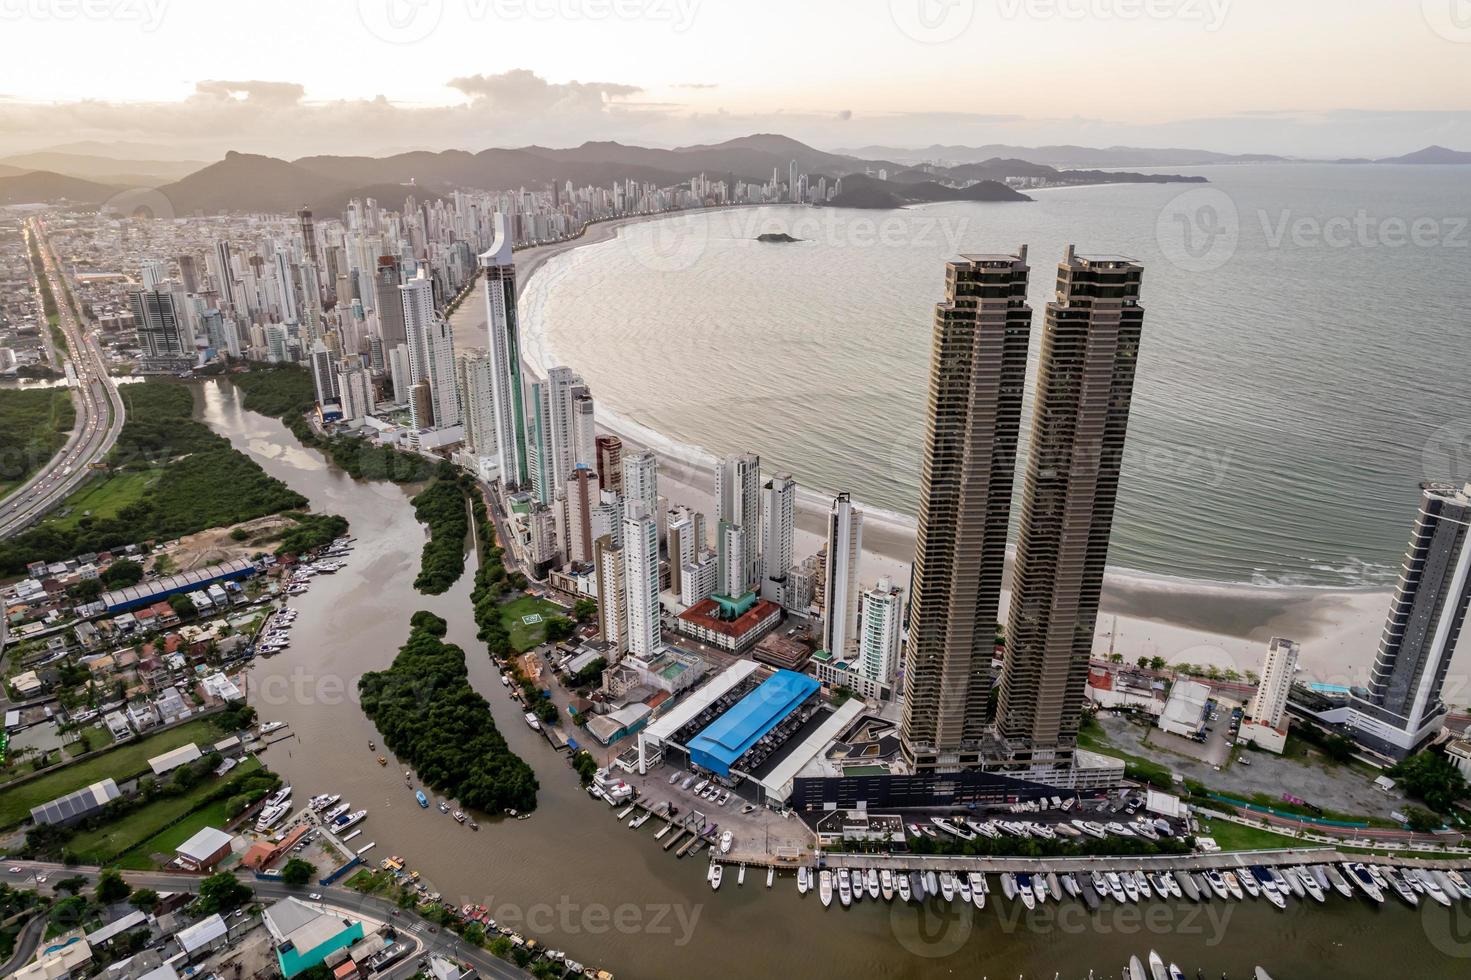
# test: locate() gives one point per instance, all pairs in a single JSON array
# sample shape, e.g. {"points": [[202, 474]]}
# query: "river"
{"points": [[575, 878]]}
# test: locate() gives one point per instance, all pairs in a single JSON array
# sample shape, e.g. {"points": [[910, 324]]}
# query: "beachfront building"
{"points": [[1266, 717], [1401, 707], [431, 356], [840, 596], [612, 610], [978, 369], [738, 513], [505, 352], [778, 535], [1085, 386], [641, 577], [640, 480]]}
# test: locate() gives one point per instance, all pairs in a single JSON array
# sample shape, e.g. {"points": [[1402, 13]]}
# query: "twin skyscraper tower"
{"points": [[1080, 416]]}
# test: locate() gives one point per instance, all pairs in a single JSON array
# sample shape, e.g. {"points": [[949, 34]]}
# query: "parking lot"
{"points": [[1215, 750]]}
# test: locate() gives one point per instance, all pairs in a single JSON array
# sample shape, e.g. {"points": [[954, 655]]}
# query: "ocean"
{"points": [[1304, 364]]}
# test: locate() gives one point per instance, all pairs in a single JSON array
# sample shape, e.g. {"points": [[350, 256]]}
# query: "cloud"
{"points": [[845, 115], [268, 93], [520, 90], [696, 85]]}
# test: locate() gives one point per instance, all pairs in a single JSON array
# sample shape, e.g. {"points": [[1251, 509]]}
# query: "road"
{"points": [[431, 937], [100, 413], [25, 944]]}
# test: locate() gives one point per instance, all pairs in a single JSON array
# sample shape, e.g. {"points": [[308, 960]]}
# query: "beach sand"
{"points": [[1183, 621]]}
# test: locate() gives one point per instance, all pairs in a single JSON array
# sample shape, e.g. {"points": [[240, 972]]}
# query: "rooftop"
{"points": [[728, 737]]}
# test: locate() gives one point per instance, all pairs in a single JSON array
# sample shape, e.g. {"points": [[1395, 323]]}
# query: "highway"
{"points": [[43, 876], [99, 417]]}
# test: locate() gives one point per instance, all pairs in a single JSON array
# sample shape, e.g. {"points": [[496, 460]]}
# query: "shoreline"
{"points": [[1141, 615]]}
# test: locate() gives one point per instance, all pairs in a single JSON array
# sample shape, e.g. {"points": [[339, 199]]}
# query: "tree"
{"points": [[145, 899], [182, 605], [298, 872], [1433, 778], [1115, 658], [121, 573], [501, 946], [558, 628], [584, 610], [74, 884], [1156, 663], [1421, 819], [111, 887], [585, 765], [86, 590], [222, 892], [1142, 662]]}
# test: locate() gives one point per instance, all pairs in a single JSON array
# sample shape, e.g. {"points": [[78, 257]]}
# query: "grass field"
{"points": [[524, 636], [152, 821], [103, 498], [1239, 837], [120, 763], [166, 841]]}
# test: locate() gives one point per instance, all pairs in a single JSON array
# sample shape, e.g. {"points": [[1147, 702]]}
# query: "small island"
{"points": [[780, 237]]}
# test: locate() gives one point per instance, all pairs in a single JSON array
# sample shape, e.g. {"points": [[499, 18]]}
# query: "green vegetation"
{"points": [[213, 814], [33, 428], [298, 872], [222, 893], [144, 898], [585, 765], [173, 800], [430, 717], [1033, 847], [111, 887], [285, 392], [524, 636], [1239, 837], [312, 531], [1092, 737], [491, 583], [123, 762], [442, 507], [1433, 778], [585, 610], [200, 482]]}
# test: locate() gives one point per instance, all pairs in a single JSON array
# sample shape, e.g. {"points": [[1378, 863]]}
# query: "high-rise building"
{"points": [[1085, 386], [386, 303], [355, 389], [738, 513], [1270, 701], [697, 579], [680, 544], [505, 352], [880, 630], [612, 586], [155, 273], [978, 370], [610, 462], [477, 403], [1401, 705], [581, 499], [584, 426], [188, 273], [223, 273], [641, 480], [840, 601], [552, 434], [778, 535], [161, 332], [641, 579], [308, 234], [324, 374], [431, 353]]}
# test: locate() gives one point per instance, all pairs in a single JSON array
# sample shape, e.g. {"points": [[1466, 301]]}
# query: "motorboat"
{"points": [[337, 811], [726, 839], [1157, 967], [1217, 884], [947, 886], [1142, 883], [1459, 880], [1233, 885], [1448, 886], [1337, 881], [1024, 891], [845, 887], [1248, 883], [716, 874], [886, 884], [423, 800], [901, 882], [1401, 888], [1360, 876], [1136, 969], [825, 887], [802, 880], [916, 885], [1008, 885], [1185, 881], [1070, 884], [1039, 888], [1054, 885], [1311, 885], [931, 883], [978, 889], [1131, 887], [1432, 887], [962, 888]]}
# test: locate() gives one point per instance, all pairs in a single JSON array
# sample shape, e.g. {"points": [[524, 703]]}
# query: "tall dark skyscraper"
{"points": [[1401, 706], [1085, 384], [308, 234], [386, 281], [978, 370]]}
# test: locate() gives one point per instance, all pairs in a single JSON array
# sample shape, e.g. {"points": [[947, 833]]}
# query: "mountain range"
{"points": [[875, 177]]}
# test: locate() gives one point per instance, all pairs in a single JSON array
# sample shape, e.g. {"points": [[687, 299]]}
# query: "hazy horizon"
{"points": [[1314, 80]]}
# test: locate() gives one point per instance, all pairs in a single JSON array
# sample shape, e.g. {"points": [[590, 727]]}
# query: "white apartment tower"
{"points": [[738, 517], [612, 585], [641, 579], [840, 595], [641, 479], [1270, 701], [778, 534], [475, 381], [879, 632], [431, 353], [505, 352]]}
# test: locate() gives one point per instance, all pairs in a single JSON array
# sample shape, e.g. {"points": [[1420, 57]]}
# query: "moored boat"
{"points": [[845, 887], [825, 887], [802, 880], [886, 884]]}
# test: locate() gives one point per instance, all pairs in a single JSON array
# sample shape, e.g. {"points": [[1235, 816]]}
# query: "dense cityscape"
{"points": [[346, 625]]}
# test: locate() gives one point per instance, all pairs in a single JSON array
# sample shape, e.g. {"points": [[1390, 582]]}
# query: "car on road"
{"points": [[315, 896], [40, 879], [15, 870]]}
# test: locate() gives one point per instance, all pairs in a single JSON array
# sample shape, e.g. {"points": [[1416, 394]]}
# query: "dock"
{"points": [[678, 836]]}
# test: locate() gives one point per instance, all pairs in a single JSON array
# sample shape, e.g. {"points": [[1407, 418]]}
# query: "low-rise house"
{"points": [[204, 851]]}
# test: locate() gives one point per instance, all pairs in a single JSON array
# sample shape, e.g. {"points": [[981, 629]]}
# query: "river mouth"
{"points": [[574, 877]]}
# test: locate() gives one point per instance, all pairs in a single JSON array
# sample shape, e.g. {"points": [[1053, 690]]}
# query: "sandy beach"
{"points": [[1183, 621]]}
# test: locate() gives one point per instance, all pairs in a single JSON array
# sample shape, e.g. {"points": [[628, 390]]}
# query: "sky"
{"points": [[189, 79]]}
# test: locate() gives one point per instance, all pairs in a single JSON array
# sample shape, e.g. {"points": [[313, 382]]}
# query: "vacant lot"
{"points": [[103, 498], [167, 841], [122, 763], [156, 820], [526, 635]]}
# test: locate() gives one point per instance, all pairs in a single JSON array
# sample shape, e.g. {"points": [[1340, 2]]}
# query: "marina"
{"points": [[354, 621]]}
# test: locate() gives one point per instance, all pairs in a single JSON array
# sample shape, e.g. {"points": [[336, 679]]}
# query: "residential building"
{"points": [[499, 269], [1085, 386], [698, 579], [1401, 706], [641, 480], [978, 369], [579, 503], [778, 535], [609, 451], [431, 353], [612, 586], [840, 600], [679, 545], [880, 631], [641, 577], [738, 513], [476, 382]]}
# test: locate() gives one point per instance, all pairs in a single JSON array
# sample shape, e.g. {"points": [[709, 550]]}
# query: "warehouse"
{"points": [[75, 806], [153, 590], [737, 731]]}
